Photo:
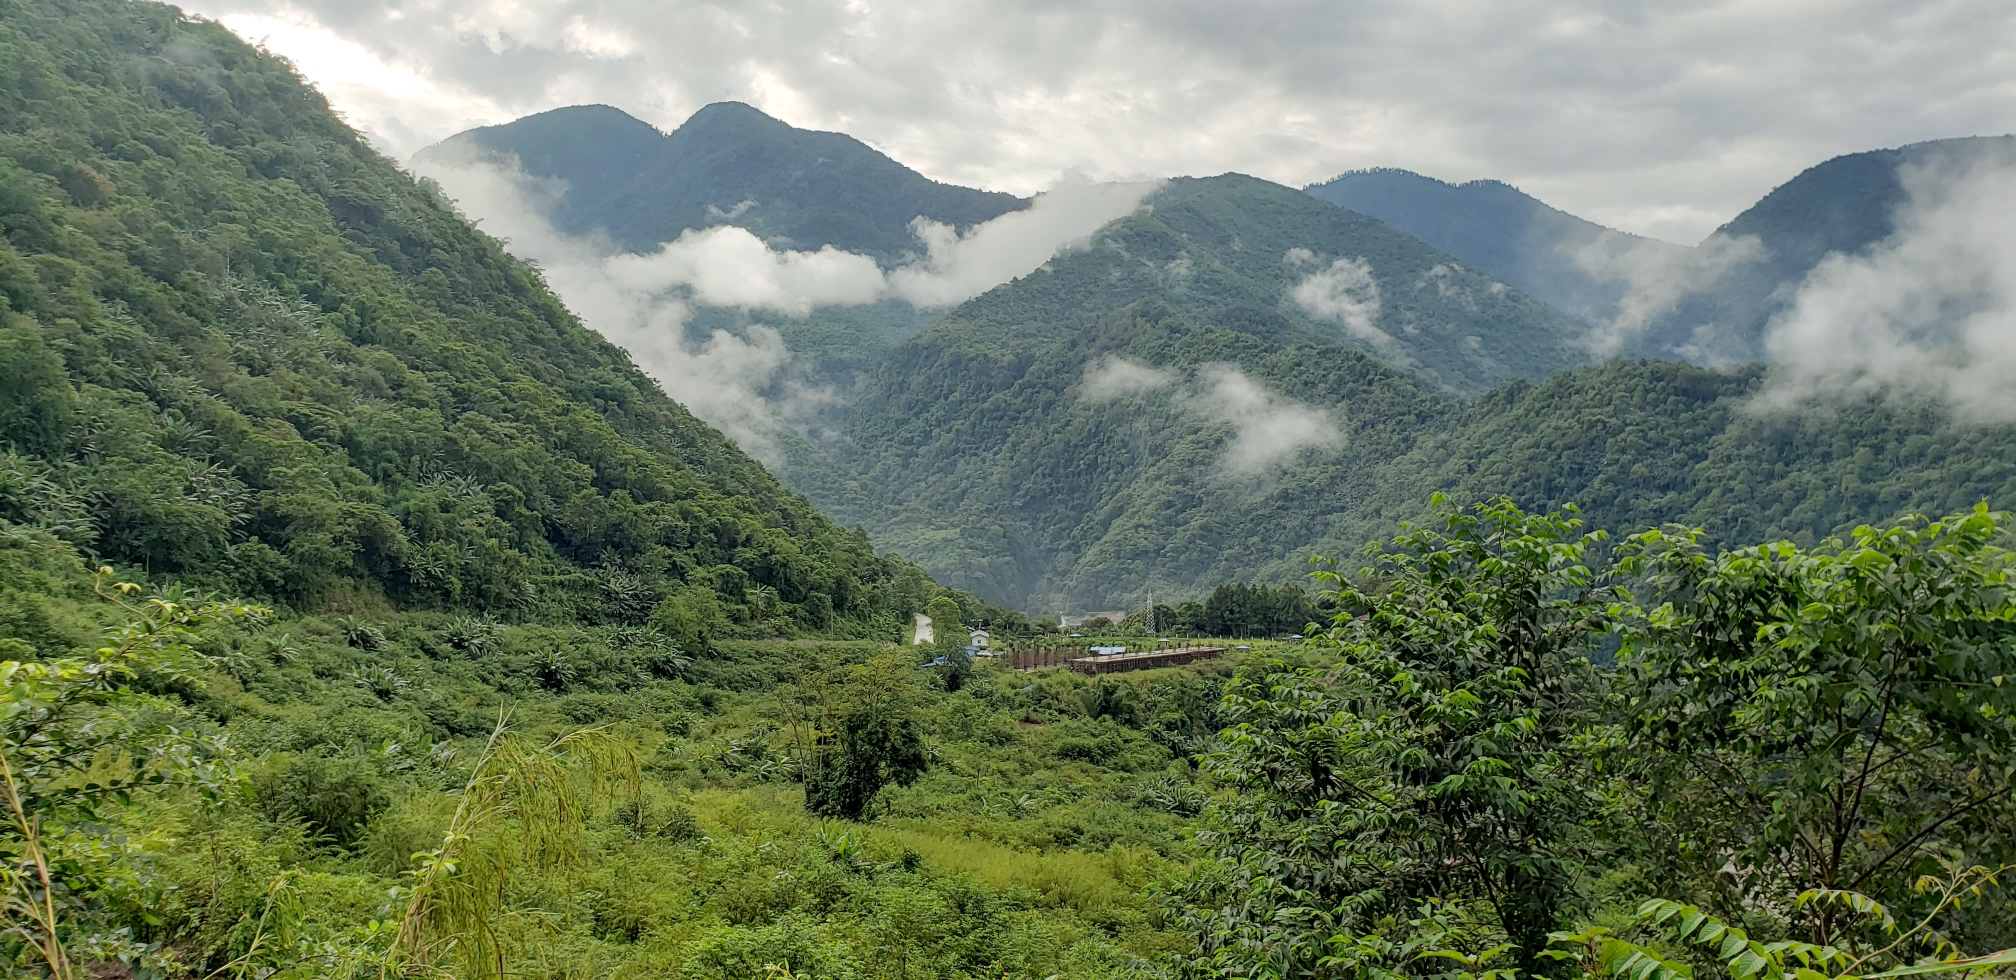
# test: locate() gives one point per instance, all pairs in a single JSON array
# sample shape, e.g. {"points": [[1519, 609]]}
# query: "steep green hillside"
{"points": [[729, 163], [497, 719], [1495, 227], [244, 350]]}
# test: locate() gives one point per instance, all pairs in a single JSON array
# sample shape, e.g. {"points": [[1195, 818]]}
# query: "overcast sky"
{"points": [[1663, 117]]}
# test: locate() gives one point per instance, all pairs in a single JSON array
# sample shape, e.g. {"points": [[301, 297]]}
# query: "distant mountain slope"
{"points": [[1843, 205], [244, 351], [1018, 475], [728, 163], [1000, 474], [1063, 499], [1638, 444], [1495, 227]]}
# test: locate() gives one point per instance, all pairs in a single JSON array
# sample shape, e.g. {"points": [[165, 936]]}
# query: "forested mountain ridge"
{"points": [[1638, 444], [1263, 252], [1043, 488], [247, 351], [1497, 228], [1018, 480], [728, 164]]}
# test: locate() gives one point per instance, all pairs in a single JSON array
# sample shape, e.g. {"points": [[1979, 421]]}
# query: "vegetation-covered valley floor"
{"points": [[310, 769], [1500, 760]]}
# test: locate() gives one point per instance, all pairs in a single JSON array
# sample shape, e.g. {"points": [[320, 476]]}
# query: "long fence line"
{"points": [[1081, 658]]}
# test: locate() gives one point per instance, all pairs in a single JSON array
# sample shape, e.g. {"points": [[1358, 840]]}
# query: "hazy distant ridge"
{"points": [[1494, 226]]}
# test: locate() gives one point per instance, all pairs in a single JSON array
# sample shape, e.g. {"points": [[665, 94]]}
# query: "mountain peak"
{"points": [[795, 188], [724, 117], [597, 113], [591, 144]]}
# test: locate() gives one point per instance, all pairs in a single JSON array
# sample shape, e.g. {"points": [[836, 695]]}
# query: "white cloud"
{"points": [[639, 302], [642, 301], [1345, 292], [956, 268], [1114, 378], [1267, 429], [1929, 312], [1656, 276], [727, 266], [1663, 119]]}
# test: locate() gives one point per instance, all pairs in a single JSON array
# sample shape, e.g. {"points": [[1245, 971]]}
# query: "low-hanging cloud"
{"points": [[1117, 378], [643, 301], [1344, 292], [1656, 276], [639, 302], [1268, 429], [1928, 312], [958, 267], [726, 265]]}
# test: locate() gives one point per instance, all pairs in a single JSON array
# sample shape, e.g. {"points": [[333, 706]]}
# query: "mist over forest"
{"points": [[1112, 389]]}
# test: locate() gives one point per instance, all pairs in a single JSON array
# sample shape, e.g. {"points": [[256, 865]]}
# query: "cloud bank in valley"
{"points": [[1929, 312], [1268, 429], [1656, 277], [726, 265], [638, 301], [643, 301]]}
